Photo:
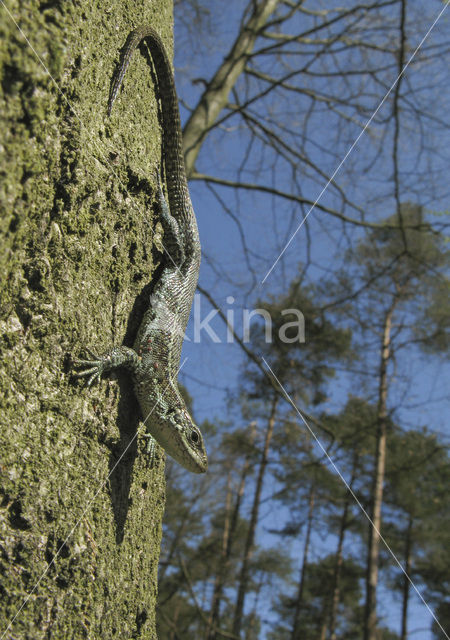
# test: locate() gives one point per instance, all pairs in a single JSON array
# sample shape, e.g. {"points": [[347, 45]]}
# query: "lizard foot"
{"points": [[93, 368], [114, 359]]}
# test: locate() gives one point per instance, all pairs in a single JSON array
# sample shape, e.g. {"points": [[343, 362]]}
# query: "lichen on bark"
{"points": [[80, 531]]}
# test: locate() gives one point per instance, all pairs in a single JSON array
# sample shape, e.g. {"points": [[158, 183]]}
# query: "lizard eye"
{"points": [[195, 437]]}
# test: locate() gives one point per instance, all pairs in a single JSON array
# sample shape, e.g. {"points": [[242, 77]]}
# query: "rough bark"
{"points": [[80, 549]]}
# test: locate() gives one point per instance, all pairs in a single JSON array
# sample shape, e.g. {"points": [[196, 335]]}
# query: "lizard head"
{"points": [[186, 444]]}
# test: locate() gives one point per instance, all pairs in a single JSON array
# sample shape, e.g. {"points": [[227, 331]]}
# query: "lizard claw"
{"points": [[92, 368], [151, 449]]}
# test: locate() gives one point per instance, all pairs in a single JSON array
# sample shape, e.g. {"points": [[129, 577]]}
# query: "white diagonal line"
{"points": [[356, 141], [330, 460], [52, 561], [98, 147]]}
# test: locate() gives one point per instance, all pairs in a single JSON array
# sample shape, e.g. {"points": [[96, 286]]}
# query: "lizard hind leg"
{"points": [[173, 242]]}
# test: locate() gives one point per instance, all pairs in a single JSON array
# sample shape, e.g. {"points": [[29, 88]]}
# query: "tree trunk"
{"points": [[249, 542], [370, 617], [215, 97], [338, 562], [406, 583], [183, 522], [228, 539], [80, 525], [324, 629], [301, 583], [220, 572], [251, 632]]}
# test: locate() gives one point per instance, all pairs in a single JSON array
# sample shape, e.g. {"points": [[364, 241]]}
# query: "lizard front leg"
{"points": [[118, 357]]}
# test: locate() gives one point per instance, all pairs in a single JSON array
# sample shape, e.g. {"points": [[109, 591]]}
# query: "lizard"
{"points": [[154, 360]]}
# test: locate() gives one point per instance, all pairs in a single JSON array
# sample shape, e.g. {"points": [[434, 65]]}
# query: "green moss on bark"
{"points": [[76, 235]]}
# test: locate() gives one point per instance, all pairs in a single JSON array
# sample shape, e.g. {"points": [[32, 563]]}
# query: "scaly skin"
{"points": [[155, 358]]}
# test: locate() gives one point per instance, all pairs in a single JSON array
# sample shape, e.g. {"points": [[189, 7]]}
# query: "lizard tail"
{"points": [[172, 149]]}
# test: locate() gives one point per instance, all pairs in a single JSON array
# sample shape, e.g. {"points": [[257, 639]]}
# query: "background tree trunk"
{"points": [[301, 583], [250, 540], [370, 617], [339, 552], [228, 540], [405, 579], [215, 98], [80, 537]]}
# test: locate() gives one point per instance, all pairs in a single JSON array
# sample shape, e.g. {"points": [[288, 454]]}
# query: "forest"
{"points": [[325, 510]]}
